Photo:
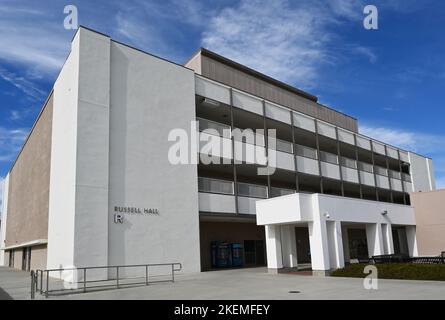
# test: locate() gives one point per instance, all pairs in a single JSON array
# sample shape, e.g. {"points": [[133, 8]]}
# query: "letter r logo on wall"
{"points": [[118, 218]]}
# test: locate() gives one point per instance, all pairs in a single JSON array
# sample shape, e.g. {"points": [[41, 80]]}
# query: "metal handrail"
{"points": [[37, 277]]}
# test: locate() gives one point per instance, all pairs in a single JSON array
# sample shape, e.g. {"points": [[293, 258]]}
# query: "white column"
{"points": [[375, 239], [4, 217], [346, 250], [318, 239], [412, 241], [289, 246], [335, 241], [273, 247], [388, 242]]}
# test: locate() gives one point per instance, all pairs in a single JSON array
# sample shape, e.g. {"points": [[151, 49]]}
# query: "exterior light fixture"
{"points": [[385, 212]]}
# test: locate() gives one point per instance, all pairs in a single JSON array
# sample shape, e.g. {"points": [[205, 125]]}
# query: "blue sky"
{"points": [[391, 79]]}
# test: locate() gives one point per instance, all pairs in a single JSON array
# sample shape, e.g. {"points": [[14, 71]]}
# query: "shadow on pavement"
{"points": [[4, 295]]}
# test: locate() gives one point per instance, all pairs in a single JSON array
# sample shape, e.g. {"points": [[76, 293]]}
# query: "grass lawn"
{"points": [[404, 271]]}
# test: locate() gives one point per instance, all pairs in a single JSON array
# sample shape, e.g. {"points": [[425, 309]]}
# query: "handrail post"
{"points": [[84, 280], [33, 285], [47, 283], [146, 275], [41, 281], [173, 272], [117, 277]]}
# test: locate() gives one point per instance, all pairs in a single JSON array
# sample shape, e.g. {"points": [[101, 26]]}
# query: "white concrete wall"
{"points": [[422, 173], [4, 219], [149, 98], [78, 201], [62, 188], [365, 211], [93, 118], [295, 207]]}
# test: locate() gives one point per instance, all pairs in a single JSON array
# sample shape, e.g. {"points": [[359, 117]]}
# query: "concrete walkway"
{"points": [[246, 284], [14, 284]]}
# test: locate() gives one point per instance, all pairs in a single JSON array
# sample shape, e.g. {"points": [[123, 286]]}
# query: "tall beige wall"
{"points": [[29, 185], [430, 221]]}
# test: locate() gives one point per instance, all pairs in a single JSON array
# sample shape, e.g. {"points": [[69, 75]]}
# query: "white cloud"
{"points": [[286, 40], [27, 87], [11, 141], [414, 141], [30, 38], [366, 52], [440, 183], [423, 143]]}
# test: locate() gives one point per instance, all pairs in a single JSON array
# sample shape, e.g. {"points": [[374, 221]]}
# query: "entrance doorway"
{"points": [[400, 241], [254, 253], [26, 259], [358, 245], [303, 246]]}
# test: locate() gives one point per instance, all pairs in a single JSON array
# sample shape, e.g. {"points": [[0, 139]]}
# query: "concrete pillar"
{"points": [[375, 239], [273, 247], [335, 241], [4, 216], [388, 243], [346, 250], [289, 246], [412, 241], [318, 239]]}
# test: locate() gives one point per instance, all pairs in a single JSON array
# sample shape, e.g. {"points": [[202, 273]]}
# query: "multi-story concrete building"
{"points": [[94, 184]]}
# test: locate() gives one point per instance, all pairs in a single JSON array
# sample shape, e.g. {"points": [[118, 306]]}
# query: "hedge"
{"points": [[404, 271]]}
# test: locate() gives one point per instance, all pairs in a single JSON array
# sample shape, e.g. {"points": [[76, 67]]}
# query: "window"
{"points": [[381, 171], [328, 157], [215, 186], [348, 163], [305, 152], [365, 167], [252, 190]]}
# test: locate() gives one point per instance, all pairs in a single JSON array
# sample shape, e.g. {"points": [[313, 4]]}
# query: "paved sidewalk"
{"points": [[245, 284], [14, 284]]}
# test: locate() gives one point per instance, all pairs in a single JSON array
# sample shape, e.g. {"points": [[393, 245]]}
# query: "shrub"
{"points": [[404, 271]]}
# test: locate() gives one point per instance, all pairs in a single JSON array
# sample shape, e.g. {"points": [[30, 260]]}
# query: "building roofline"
{"points": [[257, 74]]}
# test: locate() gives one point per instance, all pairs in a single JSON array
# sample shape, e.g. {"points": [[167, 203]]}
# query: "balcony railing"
{"points": [[406, 177], [215, 186], [252, 190], [283, 146], [328, 157], [363, 166], [381, 171], [278, 192], [348, 163], [222, 129], [395, 174], [307, 152]]}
